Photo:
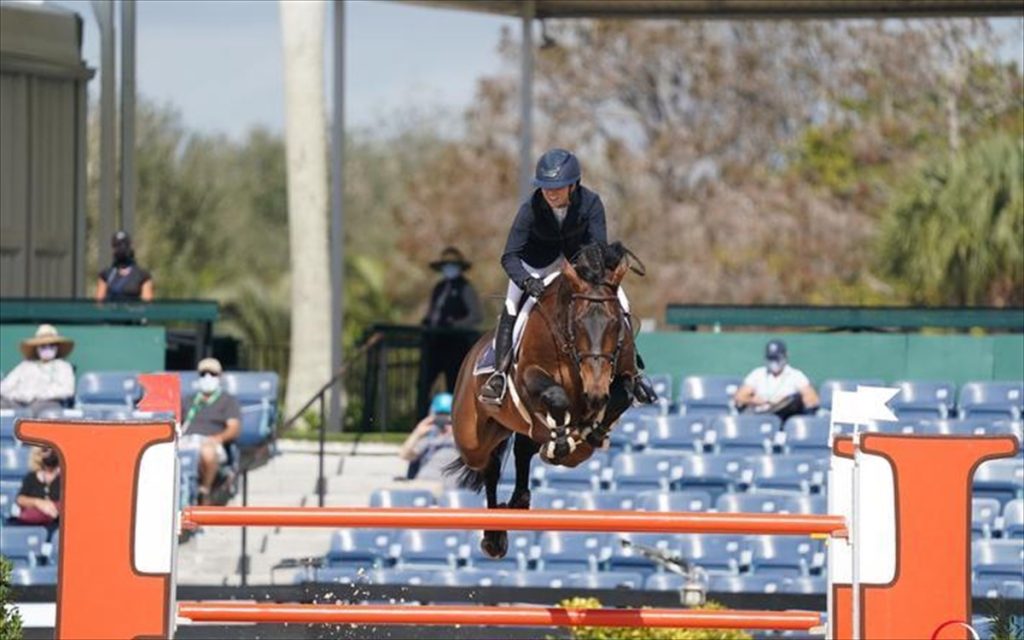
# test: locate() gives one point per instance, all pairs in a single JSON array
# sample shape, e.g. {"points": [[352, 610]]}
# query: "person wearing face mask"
{"points": [[559, 218], [211, 419], [38, 499], [124, 280], [44, 379], [452, 315], [776, 387]]}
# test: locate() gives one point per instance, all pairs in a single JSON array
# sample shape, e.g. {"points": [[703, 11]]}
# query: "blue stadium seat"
{"points": [[257, 424], [1013, 519], [664, 582], [829, 387], [923, 399], [808, 585], [707, 394], [991, 399], [644, 471], [662, 383], [610, 500], [428, 547], [338, 575], [466, 577], [8, 494], [764, 502], [963, 426], [22, 545], [555, 499], [807, 435], [1000, 479], [785, 555], [251, 387], [1008, 428], [14, 462], [401, 498], [791, 473], [108, 388], [745, 584], [408, 577], [7, 418], [712, 473], [30, 576], [584, 477], [742, 434], [626, 556], [1012, 589], [537, 579], [606, 580], [1001, 559], [573, 551], [988, 588], [682, 433], [189, 381], [984, 512], [675, 501], [462, 499], [715, 553], [521, 549], [629, 434], [360, 547]]}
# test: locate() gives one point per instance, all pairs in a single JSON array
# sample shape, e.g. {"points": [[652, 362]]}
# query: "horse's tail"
{"points": [[472, 479]]}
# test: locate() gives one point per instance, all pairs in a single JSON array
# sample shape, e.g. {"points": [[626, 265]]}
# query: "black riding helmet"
{"points": [[557, 168]]}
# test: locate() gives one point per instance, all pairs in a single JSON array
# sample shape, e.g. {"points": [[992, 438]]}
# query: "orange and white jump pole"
{"points": [[518, 616], [516, 520]]}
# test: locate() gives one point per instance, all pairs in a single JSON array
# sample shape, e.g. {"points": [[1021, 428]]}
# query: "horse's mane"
{"points": [[596, 258]]}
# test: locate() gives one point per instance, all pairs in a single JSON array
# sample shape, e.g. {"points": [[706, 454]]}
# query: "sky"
{"points": [[220, 62]]}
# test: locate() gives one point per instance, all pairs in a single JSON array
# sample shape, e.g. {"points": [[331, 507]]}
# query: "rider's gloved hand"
{"points": [[533, 286]]}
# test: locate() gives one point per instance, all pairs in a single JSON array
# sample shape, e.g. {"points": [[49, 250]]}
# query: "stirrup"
{"points": [[486, 398]]}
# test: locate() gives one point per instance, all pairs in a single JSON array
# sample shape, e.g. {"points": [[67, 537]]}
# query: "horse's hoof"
{"points": [[562, 448], [494, 544], [521, 501]]}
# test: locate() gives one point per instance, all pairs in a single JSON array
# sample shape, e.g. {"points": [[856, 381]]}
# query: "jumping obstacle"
{"points": [[120, 520]]}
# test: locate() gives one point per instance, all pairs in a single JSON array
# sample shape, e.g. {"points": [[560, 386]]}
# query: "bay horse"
{"points": [[571, 381]]}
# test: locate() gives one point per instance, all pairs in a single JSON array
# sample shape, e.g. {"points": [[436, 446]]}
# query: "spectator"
{"points": [[212, 420], [44, 379], [39, 496], [777, 387], [124, 280], [454, 304], [431, 446]]}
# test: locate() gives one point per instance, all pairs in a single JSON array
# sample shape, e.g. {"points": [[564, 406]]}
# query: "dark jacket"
{"points": [[453, 303], [537, 239]]}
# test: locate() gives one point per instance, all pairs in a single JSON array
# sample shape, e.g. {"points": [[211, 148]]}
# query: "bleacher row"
{"points": [[698, 454], [113, 395]]}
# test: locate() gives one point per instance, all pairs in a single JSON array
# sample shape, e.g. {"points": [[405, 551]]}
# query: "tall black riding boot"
{"points": [[643, 390], [493, 391]]}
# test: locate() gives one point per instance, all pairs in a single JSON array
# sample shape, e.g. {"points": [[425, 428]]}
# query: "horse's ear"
{"points": [[620, 272], [573, 277]]}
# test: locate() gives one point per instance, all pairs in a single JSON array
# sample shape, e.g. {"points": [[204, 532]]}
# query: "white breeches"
{"points": [[514, 294]]}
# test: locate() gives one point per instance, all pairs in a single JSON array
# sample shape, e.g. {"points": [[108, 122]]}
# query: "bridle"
{"points": [[574, 353]]}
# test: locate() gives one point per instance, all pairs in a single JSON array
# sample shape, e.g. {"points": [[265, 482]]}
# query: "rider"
{"points": [[560, 217]]}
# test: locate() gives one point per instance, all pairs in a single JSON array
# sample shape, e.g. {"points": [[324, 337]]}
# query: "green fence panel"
{"points": [[821, 356], [97, 348]]}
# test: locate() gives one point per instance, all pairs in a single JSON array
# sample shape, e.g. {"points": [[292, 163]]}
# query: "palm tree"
{"points": [[302, 25], [954, 236]]}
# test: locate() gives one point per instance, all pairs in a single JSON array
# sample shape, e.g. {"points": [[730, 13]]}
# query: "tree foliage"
{"points": [[955, 235]]}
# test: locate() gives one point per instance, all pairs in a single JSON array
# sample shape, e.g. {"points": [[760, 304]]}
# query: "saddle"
{"points": [[484, 364]]}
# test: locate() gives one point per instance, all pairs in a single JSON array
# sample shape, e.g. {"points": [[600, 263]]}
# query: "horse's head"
{"points": [[596, 323]]}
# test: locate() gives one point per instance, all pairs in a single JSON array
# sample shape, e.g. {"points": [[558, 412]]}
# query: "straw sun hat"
{"points": [[46, 334]]}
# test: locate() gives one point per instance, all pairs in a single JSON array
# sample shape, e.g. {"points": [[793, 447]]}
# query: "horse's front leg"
{"points": [[620, 398], [549, 396]]}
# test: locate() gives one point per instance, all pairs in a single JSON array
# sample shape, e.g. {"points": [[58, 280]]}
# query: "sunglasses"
{"points": [[208, 374]]}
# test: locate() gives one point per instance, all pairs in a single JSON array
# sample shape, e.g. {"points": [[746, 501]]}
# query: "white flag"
{"points": [[863, 405]]}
